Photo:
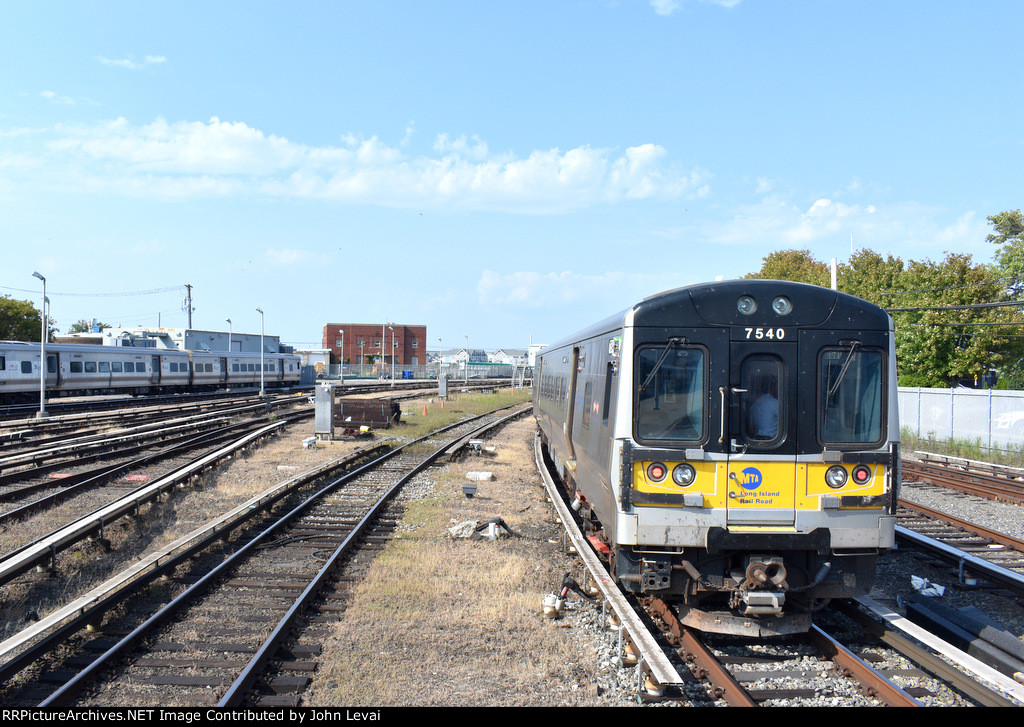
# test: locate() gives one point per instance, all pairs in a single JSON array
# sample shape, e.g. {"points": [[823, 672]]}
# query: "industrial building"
{"points": [[372, 343]]}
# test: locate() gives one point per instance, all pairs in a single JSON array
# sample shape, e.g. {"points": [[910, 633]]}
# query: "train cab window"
{"points": [[671, 392], [75, 367], [850, 396], [26, 367], [760, 404]]}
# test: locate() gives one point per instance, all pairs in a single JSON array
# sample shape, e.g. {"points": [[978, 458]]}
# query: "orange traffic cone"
{"points": [[424, 408]]}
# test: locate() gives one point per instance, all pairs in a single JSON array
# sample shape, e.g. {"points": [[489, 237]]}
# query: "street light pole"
{"points": [[229, 334], [262, 321], [466, 377], [42, 353], [343, 356], [390, 328]]}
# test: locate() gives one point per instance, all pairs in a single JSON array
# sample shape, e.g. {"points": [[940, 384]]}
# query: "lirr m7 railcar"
{"points": [[732, 447]]}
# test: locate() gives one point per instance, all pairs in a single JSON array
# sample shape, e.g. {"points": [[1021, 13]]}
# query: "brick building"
{"points": [[369, 343]]}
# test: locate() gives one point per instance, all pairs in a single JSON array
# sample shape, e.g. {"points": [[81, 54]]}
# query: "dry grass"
{"points": [[438, 621]]}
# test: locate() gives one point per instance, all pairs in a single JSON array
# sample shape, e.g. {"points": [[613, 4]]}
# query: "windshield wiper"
{"points": [[843, 370], [672, 343]]}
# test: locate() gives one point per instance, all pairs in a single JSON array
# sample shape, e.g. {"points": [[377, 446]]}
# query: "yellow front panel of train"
{"points": [[762, 485]]}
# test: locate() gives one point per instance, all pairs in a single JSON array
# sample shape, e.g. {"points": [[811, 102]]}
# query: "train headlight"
{"points": [[861, 474], [746, 305], [782, 306], [835, 477], [683, 475], [656, 471]]}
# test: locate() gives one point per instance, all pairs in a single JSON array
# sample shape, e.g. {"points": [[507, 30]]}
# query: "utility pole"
{"points": [[188, 304]]}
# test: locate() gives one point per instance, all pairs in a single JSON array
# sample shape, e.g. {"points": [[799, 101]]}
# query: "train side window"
{"points": [[140, 366], [129, 367], [3, 363], [90, 367], [116, 367], [609, 374], [851, 406], [671, 393], [104, 367], [26, 367], [51, 364], [174, 366], [234, 367], [588, 392], [75, 367]]}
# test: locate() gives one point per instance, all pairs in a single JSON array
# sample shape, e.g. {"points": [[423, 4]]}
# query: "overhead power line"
{"points": [[969, 306]]}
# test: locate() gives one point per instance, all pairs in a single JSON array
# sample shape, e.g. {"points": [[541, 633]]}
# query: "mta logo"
{"points": [[750, 478]]}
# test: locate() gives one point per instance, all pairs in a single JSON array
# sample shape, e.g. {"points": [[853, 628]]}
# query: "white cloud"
{"points": [[531, 289], [292, 256], [53, 97], [130, 64], [191, 158], [667, 7]]}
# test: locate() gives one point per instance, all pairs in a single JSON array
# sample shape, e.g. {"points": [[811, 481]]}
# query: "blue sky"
{"points": [[510, 171]]}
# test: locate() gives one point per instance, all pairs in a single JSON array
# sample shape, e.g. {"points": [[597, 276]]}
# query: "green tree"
{"points": [[1009, 235], [799, 266], [84, 326], [19, 320], [947, 323], [869, 276]]}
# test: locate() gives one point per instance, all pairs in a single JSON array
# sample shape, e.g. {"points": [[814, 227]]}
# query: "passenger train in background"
{"points": [[732, 447], [85, 369]]}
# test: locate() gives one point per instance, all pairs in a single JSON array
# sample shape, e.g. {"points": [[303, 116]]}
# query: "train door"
{"points": [[223, 369], [154, 370], [571, 399], [761, 445], [52, 370]]}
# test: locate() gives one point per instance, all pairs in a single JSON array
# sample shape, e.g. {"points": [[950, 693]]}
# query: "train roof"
{"points": [[715, 304], [100, 348]]}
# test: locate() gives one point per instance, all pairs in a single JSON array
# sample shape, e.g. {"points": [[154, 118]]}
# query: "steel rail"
{"points": [[14, 564], [994, 679], [74, 484], [60, 624], [246, 680], [922, 656], [968, 527], [973, 563], [67, 691], [654, 659], [851, 665], [705, 665]]}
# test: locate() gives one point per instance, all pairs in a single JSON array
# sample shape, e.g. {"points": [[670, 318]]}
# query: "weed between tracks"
{"points": [[442, 621]]}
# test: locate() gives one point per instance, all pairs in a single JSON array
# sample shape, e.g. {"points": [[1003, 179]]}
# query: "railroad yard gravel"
{"points": [[517, 657]]}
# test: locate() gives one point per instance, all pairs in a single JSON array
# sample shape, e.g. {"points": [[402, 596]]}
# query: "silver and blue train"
{"points": [[85, 369], [732, 447]]}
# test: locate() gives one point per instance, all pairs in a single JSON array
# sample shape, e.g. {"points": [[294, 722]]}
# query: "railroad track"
{"points": [[994, 482], [238, 616], [712, 668]]}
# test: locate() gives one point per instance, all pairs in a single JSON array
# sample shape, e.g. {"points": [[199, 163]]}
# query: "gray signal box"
{"points": [[323, 401]]}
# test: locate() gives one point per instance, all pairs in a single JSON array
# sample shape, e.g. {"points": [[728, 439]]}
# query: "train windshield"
{"points": [[671, 393], [850, 406]]}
